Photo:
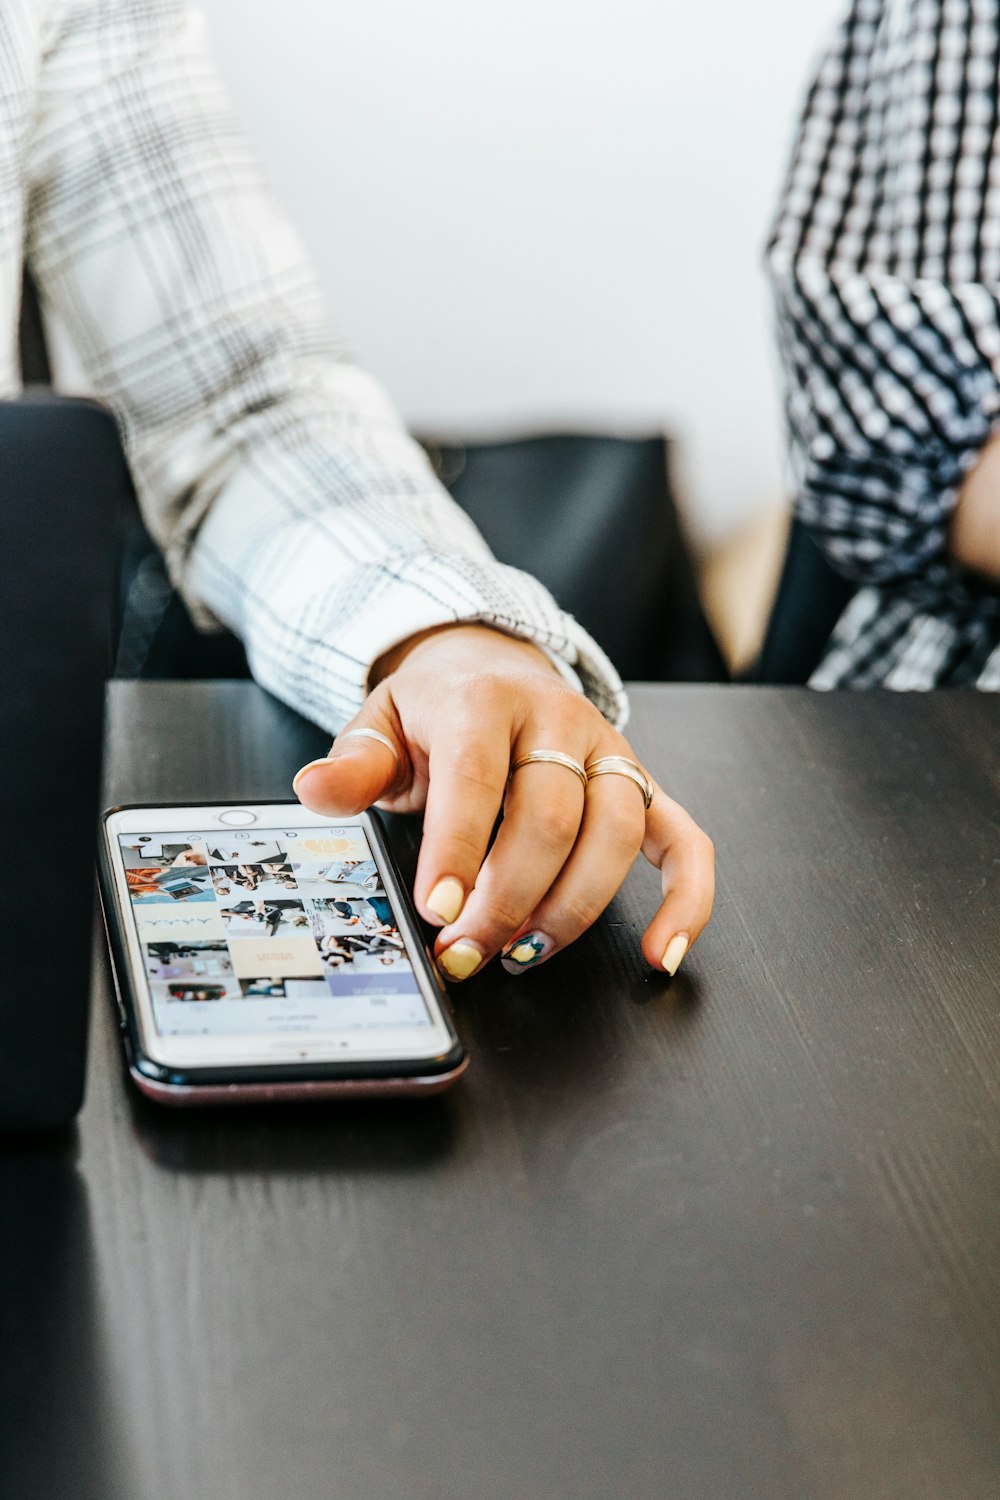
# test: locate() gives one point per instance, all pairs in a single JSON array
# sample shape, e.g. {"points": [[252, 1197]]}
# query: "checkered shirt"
{"points": [[885, 265], [289, 502]]}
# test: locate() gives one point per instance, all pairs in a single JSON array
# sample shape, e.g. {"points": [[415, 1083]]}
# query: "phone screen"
{"points": [[268, 931]]}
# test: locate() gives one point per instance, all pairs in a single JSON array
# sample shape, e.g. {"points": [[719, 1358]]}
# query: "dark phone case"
{"points": [[289, 1082]]}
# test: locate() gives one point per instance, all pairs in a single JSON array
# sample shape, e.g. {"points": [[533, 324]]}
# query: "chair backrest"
{"points": [[63, 478], [810, 599], [591, 517], [594, 518]]}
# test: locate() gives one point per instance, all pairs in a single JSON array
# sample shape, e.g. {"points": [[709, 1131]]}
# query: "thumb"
{"points": [[365, 764]]}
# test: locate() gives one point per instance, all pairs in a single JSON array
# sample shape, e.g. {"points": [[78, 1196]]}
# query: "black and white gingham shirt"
{"points": [[885, 263], [288, 500]]}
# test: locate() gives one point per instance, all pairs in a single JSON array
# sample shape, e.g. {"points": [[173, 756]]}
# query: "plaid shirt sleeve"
{"points": [[885, 265], [289, 501]]}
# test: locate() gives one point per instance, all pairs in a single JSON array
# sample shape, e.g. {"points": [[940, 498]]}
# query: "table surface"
{"points": [[731, 1237]]}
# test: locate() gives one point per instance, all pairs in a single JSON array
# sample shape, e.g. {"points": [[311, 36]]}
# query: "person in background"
{"points": [[292, 506], [885, 265]]}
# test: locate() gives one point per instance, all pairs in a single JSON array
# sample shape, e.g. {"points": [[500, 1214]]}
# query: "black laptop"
{"points": [[62, 479]]}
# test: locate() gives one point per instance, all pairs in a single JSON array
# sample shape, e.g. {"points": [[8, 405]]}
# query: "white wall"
{"points": [[530, 213]]}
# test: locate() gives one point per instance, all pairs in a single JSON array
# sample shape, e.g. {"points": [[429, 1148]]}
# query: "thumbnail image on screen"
{"points": [[268, 931]]}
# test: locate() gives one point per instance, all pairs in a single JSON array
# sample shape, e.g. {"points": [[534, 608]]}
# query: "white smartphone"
{"points": [[262, 952]]}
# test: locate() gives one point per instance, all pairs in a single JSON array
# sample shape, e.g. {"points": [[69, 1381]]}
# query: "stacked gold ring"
{"points": [[550, 757], [620, 765]]}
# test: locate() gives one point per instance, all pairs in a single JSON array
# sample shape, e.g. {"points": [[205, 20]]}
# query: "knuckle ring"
{"points": [[550, 757], [620, 765], [371, 734]]}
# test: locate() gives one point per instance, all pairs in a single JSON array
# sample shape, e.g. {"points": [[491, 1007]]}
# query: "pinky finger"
{"points": [[686, 859]]}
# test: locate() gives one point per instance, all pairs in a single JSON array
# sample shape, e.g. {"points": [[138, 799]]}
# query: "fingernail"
{"points": [[311, 766], [446, 899], [460, 960], [526, 950], [676, 949]]}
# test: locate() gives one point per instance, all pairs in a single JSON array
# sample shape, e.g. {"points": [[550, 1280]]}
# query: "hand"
{"points": [[462, 703]]}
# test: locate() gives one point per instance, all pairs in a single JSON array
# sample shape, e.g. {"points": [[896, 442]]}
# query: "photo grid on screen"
{"points": [[298, 922]]}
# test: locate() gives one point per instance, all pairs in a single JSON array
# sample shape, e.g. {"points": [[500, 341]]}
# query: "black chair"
{"points": [[64, 486], [594, 518], [810, 599]]}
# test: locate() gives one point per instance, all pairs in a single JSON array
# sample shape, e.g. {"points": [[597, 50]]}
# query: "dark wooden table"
{"points": [[735, 1237]]}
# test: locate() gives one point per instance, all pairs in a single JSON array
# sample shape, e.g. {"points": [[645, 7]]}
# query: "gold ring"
{"points": [[550, 757], [371, 734], [620, 765]]}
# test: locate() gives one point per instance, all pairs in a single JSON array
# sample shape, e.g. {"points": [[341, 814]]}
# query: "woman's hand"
{"points": [[462, 704]]}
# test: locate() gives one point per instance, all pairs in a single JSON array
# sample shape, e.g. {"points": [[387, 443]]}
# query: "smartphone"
{"points": [[261, 952]]}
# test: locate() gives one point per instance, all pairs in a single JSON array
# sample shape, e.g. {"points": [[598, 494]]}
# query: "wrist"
{"points": [[468, 641]]}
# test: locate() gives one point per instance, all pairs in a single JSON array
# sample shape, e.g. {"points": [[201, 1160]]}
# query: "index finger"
{"points": [[468, 768]]}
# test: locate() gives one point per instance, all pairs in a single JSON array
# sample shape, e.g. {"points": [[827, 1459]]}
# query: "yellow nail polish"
{"points": [[460, 960], [676, 949], [447, 899], [324, 760]]}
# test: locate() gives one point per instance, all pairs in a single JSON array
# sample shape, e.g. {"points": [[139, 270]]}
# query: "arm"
{"points": [[292, 506], [885, 272], [288, 499], [974, 538]]}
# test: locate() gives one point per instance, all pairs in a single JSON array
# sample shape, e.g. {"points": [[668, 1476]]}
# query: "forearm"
{"points": [[321, 582]]}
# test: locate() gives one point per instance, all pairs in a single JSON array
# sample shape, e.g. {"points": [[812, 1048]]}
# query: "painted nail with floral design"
{"points": [[526, 951]]}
